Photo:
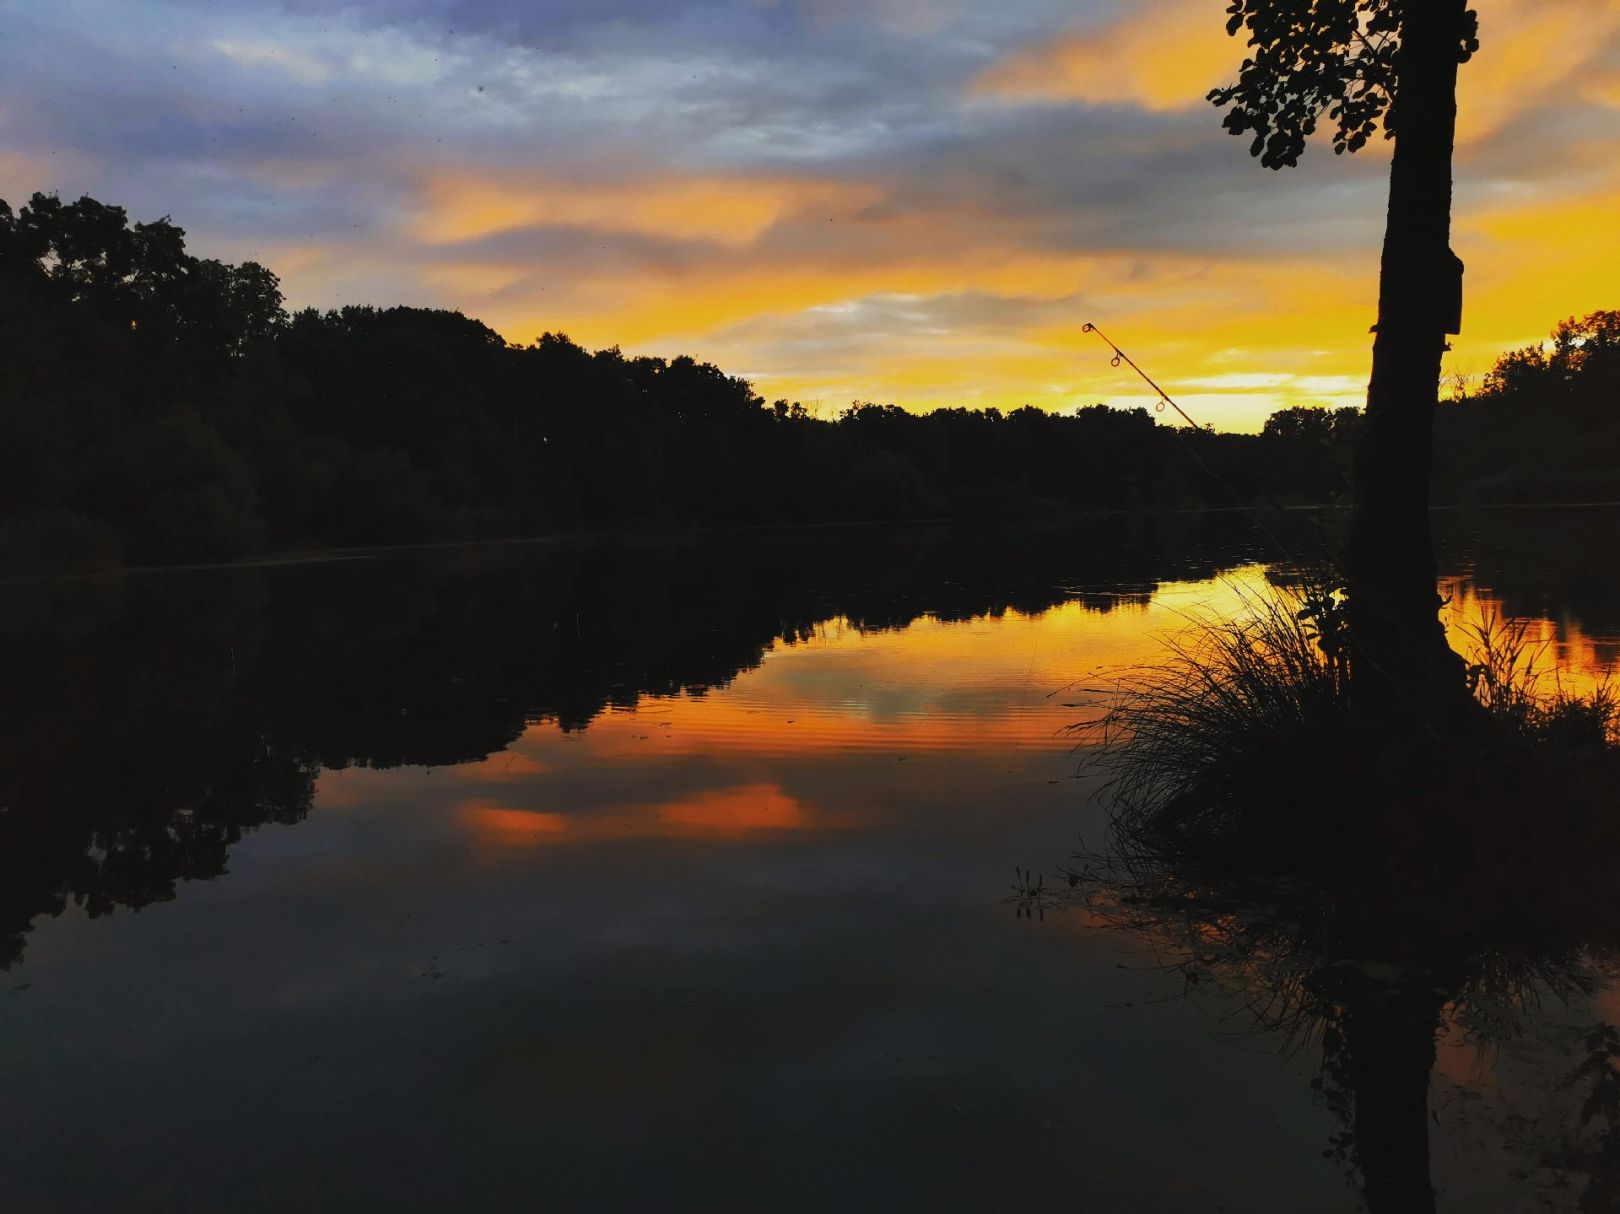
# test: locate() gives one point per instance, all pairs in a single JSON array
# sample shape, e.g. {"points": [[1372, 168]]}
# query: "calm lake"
{"points": [[666, 875]]}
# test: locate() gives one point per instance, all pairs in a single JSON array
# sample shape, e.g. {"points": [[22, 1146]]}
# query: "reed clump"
{"points": [[1511, 679], [1242, 743]]}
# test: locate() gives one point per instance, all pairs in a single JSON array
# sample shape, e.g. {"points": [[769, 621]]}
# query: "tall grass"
{"points": [[1198, 744], [1511, 676], [1243, 736]]}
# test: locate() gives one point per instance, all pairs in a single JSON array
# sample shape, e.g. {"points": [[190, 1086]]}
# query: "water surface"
{"points": [[654, 875]]}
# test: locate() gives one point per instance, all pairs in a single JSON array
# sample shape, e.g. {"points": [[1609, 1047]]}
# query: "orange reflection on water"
{"points": [[505, 766], [1559, 653], [990, 686], [498, 824], [863, 720], [723, 813]]}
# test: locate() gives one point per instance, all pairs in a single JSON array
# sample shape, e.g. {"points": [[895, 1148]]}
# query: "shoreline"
{"points": [[320, 556]]}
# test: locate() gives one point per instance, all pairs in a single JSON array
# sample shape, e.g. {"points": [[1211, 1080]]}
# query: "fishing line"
{"points": [[1327, 554], [1165, 398]]}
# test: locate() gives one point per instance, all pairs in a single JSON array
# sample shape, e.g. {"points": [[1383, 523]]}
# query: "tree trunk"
{"points": [[1401, 659], [1389, 1032]]}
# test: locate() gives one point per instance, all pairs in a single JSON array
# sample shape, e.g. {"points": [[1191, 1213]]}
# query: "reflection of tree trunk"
{"points": [[1389, 1034], [1395, 623]]}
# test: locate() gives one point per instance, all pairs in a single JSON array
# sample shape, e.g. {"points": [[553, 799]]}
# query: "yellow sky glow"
{"points": [[909, 201], [1233, 336]]}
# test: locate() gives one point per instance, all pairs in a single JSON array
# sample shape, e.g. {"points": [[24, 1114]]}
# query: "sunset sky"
{"points": [[918, 201]]}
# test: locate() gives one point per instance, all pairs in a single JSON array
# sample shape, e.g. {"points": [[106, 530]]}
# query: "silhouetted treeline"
{"points": [[1544, 426], [157, 407]]}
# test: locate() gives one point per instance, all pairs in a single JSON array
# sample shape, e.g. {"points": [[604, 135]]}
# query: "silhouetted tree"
{"points": [[1544, 425], [156, 407], [1584, 353], [1354, 65], [1304, 424]]}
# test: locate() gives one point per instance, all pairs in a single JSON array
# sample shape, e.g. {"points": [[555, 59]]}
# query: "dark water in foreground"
{"points": [[658, 876]]}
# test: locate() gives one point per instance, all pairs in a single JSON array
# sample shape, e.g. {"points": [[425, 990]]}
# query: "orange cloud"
{"points": [[754, 269], [1528, 55], [1164, 56], [1532, 261], [732, 211], [1190, 312]]}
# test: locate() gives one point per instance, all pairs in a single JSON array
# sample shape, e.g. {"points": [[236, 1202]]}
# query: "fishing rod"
{"points": [[1120, 357], [1328, 555]]}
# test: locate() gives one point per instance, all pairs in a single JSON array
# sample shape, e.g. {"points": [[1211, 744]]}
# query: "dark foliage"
{"points": [[157, 408], [1363, 886], [1543, 426], [1317, 62]]}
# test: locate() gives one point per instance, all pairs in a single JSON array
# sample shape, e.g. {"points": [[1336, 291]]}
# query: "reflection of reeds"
{"points": [[1243, 733], [1508, 674], [1264, 834], [1190, 745], [1356, 885]]}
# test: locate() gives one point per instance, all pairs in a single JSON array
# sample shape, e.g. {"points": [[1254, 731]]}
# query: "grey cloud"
{"points": [[815, 336], [577, 250], [327, 120]]}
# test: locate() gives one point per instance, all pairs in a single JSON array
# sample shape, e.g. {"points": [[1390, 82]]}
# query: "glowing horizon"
{"points": [[909, 201]]}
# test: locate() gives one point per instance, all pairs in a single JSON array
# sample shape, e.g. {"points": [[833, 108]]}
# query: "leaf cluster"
{"points": [[1316, 62], [86, 254]]}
